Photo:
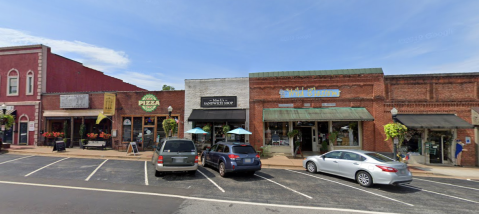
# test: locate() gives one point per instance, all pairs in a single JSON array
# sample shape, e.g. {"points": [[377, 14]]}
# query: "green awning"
{"points": [[316, 114], [433, 121]]}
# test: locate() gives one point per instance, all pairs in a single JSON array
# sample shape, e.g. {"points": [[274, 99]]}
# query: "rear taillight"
{"points": [[196, 159], [233, 157], [160, 159], [257, 155], [387, 169]]}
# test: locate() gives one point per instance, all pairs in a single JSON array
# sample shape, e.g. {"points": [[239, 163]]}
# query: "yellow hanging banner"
{"points": [[109, 104], [100, 117]]}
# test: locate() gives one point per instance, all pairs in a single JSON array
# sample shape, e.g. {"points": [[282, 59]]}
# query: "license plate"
{"points": [[247, 160], [178, 160]]}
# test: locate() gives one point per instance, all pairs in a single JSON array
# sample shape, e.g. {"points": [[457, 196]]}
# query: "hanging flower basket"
{"points": [[105, 135], [207, 128], [92, 136]]}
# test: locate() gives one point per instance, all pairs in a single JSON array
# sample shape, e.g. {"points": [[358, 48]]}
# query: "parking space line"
{"points": [[274, 182], [146, 175], [94, 171], [197, 198], [417, 188], [382, 196], [222, 190], [447, 184], [16, 159], [44, 167]]}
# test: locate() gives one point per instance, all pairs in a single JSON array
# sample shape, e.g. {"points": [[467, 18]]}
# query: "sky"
{"points": [[151, 43]]}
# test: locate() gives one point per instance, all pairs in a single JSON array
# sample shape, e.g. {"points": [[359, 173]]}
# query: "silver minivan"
{"points": [[175, 155]]}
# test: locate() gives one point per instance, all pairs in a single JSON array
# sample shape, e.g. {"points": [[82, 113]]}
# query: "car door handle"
{"points": [[335, 162], [356, 163]]}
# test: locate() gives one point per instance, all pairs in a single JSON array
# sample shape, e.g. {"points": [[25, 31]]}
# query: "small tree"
{"points": [[170, 125], [168, 88], [395, 130]]}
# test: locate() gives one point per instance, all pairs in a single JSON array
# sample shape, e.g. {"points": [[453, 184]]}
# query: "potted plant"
{"points": [[324, 146], [92, 136], [105, 135], [226, 129], [207, 128], [333, 137], [83, 142]]}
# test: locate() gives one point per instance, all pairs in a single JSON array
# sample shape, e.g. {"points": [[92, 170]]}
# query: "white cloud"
{"points": [[99, 58], [468, 65], [146, 81]]}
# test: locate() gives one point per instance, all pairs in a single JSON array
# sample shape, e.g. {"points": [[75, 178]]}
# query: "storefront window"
{"points": [[149, 121], [412, 142], [137, 129], [276, 133], [160, 132], [347, 133], [127, 129]]}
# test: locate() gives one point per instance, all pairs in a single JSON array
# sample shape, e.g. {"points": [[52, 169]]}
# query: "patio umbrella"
{"points": [[239, 131], [196, 130]]}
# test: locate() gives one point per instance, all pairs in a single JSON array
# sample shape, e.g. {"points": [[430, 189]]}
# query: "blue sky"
{"points": [[150, 43]]}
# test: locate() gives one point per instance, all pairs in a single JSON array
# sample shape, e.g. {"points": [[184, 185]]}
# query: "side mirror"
{"points": [[324, 157]]}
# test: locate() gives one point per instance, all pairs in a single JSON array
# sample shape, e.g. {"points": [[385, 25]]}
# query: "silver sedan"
{"points": [[366, 167]]}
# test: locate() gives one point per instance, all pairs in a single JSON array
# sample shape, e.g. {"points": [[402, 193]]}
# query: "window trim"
{"points": [[8, 82], [30, 74]]}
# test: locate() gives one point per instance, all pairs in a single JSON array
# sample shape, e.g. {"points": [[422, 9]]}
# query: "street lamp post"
{"points": [[394, 112], [170, 109]]}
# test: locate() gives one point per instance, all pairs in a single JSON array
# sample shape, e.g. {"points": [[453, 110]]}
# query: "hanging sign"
{"points": [[149, 102], [31, 126], [223, 101], [127, 122], [74, 101], [309, 92], [109, 104]]}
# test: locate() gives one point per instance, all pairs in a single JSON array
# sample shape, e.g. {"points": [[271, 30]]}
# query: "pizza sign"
{"points": [[149, 102]]}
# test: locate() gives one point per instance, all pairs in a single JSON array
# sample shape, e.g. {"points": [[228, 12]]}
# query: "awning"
{"points": [[433, 121], [316, 114], [72, 113], [229, 115]]}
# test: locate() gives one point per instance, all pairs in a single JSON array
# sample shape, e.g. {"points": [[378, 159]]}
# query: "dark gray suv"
{"points": [[175, 155]]}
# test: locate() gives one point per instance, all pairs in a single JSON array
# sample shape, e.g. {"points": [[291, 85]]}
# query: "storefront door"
{"points": [[307, 139], [440, 146], [23, 133], [7, 135]]}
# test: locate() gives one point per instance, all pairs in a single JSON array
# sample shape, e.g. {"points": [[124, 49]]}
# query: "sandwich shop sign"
{"points": [[149, 102]]}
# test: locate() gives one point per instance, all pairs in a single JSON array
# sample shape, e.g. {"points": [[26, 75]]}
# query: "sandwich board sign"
{"points": [[132, 148]]}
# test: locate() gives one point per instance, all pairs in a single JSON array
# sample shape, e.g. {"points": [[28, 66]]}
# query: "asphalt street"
{"points": [[37, 184]]}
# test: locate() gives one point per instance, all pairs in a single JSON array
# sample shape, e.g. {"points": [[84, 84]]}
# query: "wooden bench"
{"points": [[95, 144]]}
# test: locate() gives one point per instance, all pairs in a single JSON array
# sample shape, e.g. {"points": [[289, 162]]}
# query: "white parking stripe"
{"points": [[382, 196], [417, 188], [94, 171], [44, 167], [307, 196], [195, 198], [222, 190], [15, 159], [146, 175], [447, 184]]}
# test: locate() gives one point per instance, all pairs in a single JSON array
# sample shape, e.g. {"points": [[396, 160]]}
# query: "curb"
{"points": [[132, 158]]}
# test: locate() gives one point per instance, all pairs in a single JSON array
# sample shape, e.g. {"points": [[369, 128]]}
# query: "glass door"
{"points": [[440, 146], [23, 133]]}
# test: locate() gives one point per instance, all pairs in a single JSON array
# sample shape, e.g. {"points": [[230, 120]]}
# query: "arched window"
{"points": [[30, 84], [12, 82]]}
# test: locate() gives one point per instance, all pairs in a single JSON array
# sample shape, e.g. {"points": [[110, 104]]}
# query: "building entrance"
{"points": [[307, 139]]}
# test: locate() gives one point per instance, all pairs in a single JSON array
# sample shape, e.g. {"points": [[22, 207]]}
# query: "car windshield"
{"points": [[179, 146], [379, 157], [243, 149]]}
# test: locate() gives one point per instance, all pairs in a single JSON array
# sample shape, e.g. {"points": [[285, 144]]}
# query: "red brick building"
{"points": [[355, 104], [29, 72]]}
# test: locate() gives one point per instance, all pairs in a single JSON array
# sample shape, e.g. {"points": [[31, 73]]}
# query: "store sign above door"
{"points": [[74, 101], [309, 92], [149, 102], [207, 102]]}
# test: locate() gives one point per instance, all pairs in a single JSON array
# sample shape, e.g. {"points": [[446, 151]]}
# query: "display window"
{"points": [[347, 133], [276, 133]]}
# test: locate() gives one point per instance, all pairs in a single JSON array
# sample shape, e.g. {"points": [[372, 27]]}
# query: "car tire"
{"points": [[192, 172], [222, 169], [364, 179], [203, 161], [311, 167], [158, 174]]}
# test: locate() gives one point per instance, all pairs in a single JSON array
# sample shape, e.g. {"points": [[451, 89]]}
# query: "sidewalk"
{"points": [[276, 161]]}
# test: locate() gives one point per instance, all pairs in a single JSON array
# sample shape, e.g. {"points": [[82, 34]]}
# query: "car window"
{"points": [[220, 148], [336, 155], [214, 148], [378, 157], [243, 149], [227, 149], [351, 156], [179, 146]]}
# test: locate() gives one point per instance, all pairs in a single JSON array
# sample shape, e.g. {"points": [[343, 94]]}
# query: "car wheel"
{"points": [[311, 167], [203, 161], [222, 169], [192, 172], [158, 174], [364, 179]]}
